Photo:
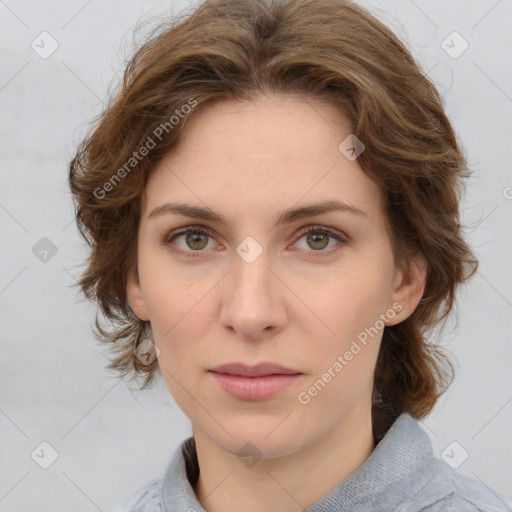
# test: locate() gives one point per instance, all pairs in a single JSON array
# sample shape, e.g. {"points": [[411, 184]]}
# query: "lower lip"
{"points": [[254, 388]]}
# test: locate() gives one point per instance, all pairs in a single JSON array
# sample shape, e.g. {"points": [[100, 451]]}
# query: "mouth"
{"points": [[254, 382], [259, 370]]}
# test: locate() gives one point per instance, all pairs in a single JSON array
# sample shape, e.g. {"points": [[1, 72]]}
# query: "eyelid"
{"points": [[187, 229], [335, 233]]}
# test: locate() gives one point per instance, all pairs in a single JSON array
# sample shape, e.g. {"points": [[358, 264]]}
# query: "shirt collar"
{"points": [[401, 452]]}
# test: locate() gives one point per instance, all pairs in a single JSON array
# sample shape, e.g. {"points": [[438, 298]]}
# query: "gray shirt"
{"points": [[400, 475]]}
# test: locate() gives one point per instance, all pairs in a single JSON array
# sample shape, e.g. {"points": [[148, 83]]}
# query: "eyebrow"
{"points": [[285, 217]]}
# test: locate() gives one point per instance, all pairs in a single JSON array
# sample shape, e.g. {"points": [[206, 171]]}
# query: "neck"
{"points": [[227, 485]]}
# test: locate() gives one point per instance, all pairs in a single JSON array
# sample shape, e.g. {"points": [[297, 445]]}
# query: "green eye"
{"points": [[196, 240]]}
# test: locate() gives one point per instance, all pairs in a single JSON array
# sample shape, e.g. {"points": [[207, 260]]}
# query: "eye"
{"points": [[196, 240], [318, 238]]}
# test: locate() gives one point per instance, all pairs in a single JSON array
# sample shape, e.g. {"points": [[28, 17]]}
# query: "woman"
{"points": [[271, 201]]}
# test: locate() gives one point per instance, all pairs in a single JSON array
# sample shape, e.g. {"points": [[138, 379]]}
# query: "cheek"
{"points": [[169, 301], [343, 362], [351, 306], [355, 300], [171, 291]]}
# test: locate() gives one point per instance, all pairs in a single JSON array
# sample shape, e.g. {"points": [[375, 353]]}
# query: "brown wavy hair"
{"points": [[334, 51]]}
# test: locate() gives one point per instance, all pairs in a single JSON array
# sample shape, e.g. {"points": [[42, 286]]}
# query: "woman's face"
{"points": [[257, 287]]}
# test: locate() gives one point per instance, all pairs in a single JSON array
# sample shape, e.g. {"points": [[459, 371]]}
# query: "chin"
{"points": [[267, 438]]}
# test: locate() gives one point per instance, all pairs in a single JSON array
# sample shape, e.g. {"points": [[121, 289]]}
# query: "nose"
{"points": [[253, 299]]}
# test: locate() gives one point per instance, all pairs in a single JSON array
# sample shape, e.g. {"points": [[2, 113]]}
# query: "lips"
{"points": [[259, 382], [259, 370]]}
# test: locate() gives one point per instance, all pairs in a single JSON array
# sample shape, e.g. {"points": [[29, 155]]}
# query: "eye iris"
{"points": [[193, 238], [318, 238]]}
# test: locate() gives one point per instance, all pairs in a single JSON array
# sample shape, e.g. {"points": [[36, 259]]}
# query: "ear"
{"points": [[134, 294], [408, 287]]}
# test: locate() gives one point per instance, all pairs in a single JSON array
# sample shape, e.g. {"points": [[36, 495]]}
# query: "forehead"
{"points": [[262, 156]]}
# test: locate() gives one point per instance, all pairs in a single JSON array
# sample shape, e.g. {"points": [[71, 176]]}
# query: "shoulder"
{"points": [[445, 490], [415, 480], [145, 499], [457, 503]]}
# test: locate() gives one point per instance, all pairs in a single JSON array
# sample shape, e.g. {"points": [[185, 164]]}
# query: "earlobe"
{"points": [[134, 294], [408, 289]]}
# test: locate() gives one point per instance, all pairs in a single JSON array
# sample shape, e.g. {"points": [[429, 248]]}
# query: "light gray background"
{"points": [[111, 439]]}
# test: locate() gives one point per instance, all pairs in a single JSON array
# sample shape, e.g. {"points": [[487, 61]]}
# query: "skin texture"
{"points": [[300, 304]]}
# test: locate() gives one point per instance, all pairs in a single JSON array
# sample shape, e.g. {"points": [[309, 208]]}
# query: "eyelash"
{"points": [[200, 230]]}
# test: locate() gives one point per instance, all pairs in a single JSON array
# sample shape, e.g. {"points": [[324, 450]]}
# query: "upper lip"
{"points": [[258, 370]]}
